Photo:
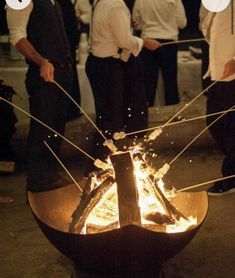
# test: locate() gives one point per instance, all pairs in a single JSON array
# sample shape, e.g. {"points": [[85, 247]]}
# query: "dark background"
{"points": [[191, 7]]}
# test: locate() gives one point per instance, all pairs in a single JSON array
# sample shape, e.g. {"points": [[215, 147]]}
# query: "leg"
{"points": [[107, 82], [222, 97], [136, 108], [48, 104], [73, 111], [168, 64], [151, 67]]}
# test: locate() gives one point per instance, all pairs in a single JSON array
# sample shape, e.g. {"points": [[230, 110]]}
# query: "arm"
{"points": [[119, 23], [136, 15], [29, 52], [83, 11], [229, 68], [17, 21], [181, 18]]}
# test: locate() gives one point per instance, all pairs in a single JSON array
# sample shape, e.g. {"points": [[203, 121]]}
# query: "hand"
{"points": [[151, 44], [47, 71], [229, 69]]}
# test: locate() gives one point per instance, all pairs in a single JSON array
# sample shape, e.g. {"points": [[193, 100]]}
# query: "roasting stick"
{"points": [[45, 125], [205, 183], [182, 41], [181, 110], [72, 99], [61, 163], [199, 134], [183, 121]]}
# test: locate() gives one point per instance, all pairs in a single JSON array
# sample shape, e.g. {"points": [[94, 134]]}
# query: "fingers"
{"points": [[47, 72]]}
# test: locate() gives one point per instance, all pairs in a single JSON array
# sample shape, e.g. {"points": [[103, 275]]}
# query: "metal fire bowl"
{"points": [[120, 250]]}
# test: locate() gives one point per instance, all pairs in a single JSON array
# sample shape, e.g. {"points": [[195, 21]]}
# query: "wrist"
{"points": [[43, 61]]}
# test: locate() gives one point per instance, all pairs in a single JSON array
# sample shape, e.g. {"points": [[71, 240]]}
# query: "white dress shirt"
{"points": [[159, 19], [17, 21], [83, 11], [217, 28], [111, 30]]}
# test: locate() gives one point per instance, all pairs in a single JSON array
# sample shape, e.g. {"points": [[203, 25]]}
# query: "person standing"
{"points": [[111, 45], [72, 31], [218, 29], [160, 20], [38, 33]]}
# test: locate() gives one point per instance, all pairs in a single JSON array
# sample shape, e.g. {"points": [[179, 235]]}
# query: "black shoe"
{"points": [[221, 188]]}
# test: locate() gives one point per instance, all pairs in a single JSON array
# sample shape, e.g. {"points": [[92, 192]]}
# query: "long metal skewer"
{"points": [[199, 134], [182, 41], [45, 125], [87, 116], [182, 109], [205, 183], [182, 121], [61, 163]]}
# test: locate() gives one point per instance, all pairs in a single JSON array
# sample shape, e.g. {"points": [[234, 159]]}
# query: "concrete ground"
{"points": [[25, 252]]}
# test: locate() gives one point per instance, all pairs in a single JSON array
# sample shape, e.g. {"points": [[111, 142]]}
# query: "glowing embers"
{"points": [[129, 193]]}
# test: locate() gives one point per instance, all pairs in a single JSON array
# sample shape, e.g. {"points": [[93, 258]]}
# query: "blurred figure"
{"points": [[112, 43], [218, 29], [83, 13], [72, 31], [206, 81], [160, 20], [38, 33]]}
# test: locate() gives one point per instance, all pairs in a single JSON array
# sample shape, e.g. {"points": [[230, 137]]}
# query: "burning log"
{"points": [[129, 213], [93, 229], [88, 202], [173, 211]]}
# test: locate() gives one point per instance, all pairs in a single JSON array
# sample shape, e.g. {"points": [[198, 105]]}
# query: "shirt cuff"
{"points": [[15, 37], [140, 43]]}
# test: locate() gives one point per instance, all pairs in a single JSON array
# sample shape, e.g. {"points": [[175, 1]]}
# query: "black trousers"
{"points": [[119, 95], [49, 104], [222, 97], [164, 58], [73, 111]]}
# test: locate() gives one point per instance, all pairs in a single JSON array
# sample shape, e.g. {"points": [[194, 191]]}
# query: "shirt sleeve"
{"points": [[120, 25], [17, 21], [83, 10], [181, 18], [136, 14]]}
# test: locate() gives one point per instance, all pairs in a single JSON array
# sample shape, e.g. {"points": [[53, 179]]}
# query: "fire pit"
{"points": [[130, 247]]}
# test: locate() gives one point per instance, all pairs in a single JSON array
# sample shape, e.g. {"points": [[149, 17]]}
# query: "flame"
{"points": [[105, 214]]}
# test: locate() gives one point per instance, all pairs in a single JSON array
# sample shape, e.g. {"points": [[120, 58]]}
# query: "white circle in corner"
{"points": [[216, 5], [18, 4]]}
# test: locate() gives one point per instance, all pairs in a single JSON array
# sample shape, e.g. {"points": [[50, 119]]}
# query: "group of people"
{"points": [[122, 70]]}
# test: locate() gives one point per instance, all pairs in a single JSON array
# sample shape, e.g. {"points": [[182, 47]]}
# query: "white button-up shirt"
{"points": [[217, 28], [17, 21], [111, 30], [159, 19]]}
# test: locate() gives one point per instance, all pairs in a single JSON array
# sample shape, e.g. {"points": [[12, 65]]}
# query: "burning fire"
{"points": [[156, 211]]}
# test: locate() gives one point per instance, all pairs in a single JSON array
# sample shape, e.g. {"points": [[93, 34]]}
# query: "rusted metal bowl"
{"points": [[121, 250]]}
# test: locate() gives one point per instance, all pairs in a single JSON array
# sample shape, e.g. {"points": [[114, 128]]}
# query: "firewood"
{"points": [[90, 201], [93, 229], [129, 212], [159, 218]]}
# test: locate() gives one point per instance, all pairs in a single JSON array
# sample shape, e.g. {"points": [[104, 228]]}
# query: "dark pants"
{"points": [[222, 97], [49, 104], [119, 102], [205, 64], [164, 58], [73, 111]]}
